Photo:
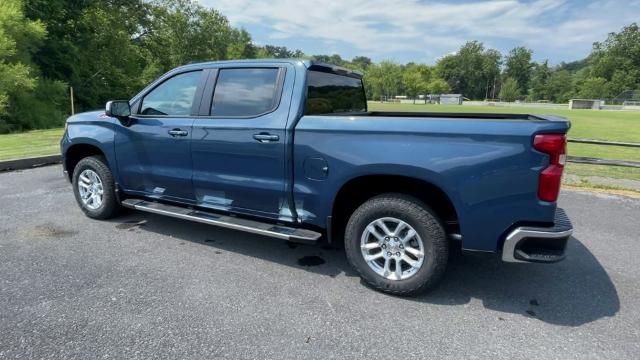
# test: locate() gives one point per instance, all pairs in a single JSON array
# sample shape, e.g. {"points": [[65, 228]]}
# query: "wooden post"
{"points": [[73, 111]]}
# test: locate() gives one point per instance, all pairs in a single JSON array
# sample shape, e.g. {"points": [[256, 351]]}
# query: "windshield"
{"points": [[329, 93]]}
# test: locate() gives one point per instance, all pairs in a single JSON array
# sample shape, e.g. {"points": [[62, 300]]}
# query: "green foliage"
{"points": [[541, 74], [19, 84], [518, 66], [415, 79], [278, 52], [361, 62], [43, 107], [617, 60], [560, 86], [472, 71], [384, 79], [438, 86], [510, 90], [593, 88], [182, 31]]}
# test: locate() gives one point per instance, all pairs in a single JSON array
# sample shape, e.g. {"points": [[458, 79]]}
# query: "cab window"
{"points": [[245, 92]]}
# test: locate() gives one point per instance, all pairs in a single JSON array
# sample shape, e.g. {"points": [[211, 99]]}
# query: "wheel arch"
{"points": [[357, 190], [77, 152]]}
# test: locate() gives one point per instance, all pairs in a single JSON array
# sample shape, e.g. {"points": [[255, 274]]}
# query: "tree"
{"points": [[82, 40], [471, 71], [541, 74], [240, 45], [593, 88], [330, 59], [279, 52], [384, 79], [438, 86], [19, 84], [510, 90], [617, 60], [182, 31], [491, 70], [361, 62], [415, 79], [518, 66], [390, 77], [561, 87]]}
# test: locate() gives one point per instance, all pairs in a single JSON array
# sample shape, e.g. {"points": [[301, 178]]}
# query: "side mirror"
{"points": [[118, 108]]}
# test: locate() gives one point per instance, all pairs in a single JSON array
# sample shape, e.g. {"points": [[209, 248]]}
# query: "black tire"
{"points": [[110, 206], [423, 220]]}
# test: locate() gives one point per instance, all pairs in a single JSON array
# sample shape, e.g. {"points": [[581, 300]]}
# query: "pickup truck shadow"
{"points": [[573, 292], [570, 293]]}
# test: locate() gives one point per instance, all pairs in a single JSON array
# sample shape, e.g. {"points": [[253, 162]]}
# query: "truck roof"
{"points": [[309, 64]]}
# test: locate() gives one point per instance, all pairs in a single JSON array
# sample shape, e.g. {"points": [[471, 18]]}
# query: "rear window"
{"points": [[245, 92], [329, 93]]}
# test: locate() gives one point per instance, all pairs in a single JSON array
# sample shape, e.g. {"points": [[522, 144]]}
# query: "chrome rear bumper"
{"points": [[538, 244]]}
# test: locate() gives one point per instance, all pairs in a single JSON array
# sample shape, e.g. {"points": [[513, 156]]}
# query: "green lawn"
{"points": [[29, 144], [614, 172]]}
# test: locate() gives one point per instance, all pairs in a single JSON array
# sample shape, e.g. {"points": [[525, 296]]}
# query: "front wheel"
{"points": [[397, 244], [94, 188]]}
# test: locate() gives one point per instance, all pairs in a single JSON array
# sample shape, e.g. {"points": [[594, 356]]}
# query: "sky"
{"points": [[423, 31]]}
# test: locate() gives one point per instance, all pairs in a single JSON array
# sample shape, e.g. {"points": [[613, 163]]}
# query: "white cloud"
{"points": [[381, 27]]}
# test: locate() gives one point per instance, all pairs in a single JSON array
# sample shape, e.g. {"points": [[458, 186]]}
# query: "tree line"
{"points": [[111, 49]]}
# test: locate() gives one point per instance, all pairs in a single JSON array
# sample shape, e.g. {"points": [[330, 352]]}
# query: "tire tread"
{"points": [[111, 207], [425, 216]]}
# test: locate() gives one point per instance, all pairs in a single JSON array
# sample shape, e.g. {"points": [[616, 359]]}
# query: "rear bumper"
{"points": [[538, 244]]}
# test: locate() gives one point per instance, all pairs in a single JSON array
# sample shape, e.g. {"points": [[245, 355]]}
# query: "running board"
{"points": [[230, 222]]}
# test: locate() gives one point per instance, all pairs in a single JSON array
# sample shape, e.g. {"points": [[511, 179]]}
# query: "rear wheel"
{"points": [[397, 244], [94, 188]]}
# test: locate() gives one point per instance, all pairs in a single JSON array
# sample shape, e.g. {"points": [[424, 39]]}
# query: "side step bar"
{"points": [[230, 222]]}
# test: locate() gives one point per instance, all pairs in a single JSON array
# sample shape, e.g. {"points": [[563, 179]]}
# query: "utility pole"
{"points": [[73, 111]]}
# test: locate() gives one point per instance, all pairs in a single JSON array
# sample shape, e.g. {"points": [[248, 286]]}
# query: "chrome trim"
{"points": [[514, 237], [229, 222]]}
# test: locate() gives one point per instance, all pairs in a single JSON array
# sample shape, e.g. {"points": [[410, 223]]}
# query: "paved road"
{"points": [[145, 286]]}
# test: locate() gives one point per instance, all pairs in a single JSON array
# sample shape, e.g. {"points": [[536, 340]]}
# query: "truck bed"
{"points": [[466, 116]]}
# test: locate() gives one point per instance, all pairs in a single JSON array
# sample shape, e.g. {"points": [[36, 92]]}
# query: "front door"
{"points": [[153, 151], [239, 148]]}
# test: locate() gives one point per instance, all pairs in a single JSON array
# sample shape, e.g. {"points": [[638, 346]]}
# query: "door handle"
{"points": [[265, 138], [178, 132]]}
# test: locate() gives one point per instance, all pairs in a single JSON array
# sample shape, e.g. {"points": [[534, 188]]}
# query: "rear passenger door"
{"points": [[239, 141]]}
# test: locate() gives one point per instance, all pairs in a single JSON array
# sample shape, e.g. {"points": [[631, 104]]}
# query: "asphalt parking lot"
{"points": [[146, 286]]}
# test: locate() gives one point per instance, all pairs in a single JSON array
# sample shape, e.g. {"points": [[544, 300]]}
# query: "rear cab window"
{"points": [[330, 93], [246, 92]]}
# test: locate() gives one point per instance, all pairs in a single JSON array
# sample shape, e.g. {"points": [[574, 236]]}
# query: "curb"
{"points": [[20, 164]]}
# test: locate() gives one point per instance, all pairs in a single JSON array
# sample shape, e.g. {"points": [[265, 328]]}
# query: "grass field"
{"points": [[29, 144], [602, 125]]}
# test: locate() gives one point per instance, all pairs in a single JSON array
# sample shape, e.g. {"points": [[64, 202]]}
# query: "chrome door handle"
{"points": [[265, 138], [178, 132]]}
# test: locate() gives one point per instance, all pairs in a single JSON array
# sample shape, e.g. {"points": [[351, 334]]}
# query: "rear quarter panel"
{"points": [[486, 167]]}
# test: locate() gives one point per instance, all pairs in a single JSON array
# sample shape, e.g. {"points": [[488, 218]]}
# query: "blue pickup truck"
{"points": [[288, 149]]}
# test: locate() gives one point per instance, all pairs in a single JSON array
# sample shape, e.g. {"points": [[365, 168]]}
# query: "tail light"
{"points": [[555, 145]]}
